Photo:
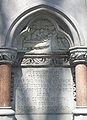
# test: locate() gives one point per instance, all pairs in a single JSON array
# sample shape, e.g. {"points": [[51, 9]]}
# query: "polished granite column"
{"points": [[7, 57], [81, 84], [5, 85], [78, 58]]}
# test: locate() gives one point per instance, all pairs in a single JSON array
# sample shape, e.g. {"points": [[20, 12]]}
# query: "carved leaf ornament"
{"points": [[43, 35]]}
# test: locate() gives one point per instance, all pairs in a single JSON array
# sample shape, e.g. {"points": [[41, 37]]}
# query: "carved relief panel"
{"points": [[43, 35], [43, 85], [43, 42]]}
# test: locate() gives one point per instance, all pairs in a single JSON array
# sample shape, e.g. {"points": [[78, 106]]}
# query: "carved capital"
{"points": [[78, 55], [7, 55]]}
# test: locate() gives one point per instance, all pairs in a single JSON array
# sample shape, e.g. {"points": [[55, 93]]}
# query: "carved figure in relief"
{"points": [[53, 44], [43, 36]]}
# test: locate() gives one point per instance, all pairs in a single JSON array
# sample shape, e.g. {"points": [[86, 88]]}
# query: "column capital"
{"points": [[78, 55], [7, 55]]}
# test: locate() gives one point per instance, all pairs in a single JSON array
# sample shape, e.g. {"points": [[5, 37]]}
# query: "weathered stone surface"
{"points": [[80, 117], [44, 117], [10, 10], [7, 118], [43, 90]]}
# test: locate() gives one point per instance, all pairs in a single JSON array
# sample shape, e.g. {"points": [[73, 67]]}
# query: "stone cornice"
{"points": [[78, 55], [7, 55]]}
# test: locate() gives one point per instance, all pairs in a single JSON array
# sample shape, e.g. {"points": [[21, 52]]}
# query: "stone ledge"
{"points": [[80, 110], [6, 111]]}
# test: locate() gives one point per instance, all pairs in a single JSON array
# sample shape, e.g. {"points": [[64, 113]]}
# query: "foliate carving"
{"points": [[43, 35], [36, 32], [7, 55], [74, 82], [41, 60], [78, 55]]}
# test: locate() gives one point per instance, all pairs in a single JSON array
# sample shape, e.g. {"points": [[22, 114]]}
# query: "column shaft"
{"points": [[5, 85], [81, 85]]}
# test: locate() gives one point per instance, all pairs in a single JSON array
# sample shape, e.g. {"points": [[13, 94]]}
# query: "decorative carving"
{"points": [[43, 35], [74, 82], [41, 60], [78, 55], [7, 55], [74, 90]]}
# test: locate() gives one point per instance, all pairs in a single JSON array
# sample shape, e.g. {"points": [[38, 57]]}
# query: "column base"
{"points": [[6, 113], [80, 113]]}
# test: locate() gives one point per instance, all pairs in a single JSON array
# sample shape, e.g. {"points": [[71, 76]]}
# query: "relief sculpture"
{"points": [[43, 36]]}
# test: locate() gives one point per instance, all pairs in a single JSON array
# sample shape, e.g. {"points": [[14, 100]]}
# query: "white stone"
{"points": [[7, 118], [80, 110], [80, 113], [80, 117], [5, 111], [43, 91], [45, 117]]}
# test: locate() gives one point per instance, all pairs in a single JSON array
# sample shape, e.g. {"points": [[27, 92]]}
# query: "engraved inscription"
{"points": [[43, 90]]}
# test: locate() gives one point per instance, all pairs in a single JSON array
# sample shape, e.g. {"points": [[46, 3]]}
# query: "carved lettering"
{"points": [[44, 90]]}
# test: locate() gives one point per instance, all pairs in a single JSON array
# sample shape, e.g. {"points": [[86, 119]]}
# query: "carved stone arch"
{"points": [[65, 23], [39, 31]]}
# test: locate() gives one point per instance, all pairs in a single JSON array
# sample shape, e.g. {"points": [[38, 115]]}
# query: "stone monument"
{"points": [[43, 82]]}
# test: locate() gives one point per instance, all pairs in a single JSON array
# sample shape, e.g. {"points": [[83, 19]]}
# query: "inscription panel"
{"points": [[43, 90]]}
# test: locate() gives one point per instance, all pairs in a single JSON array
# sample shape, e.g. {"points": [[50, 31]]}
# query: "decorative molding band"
{"points": [[78, 55], [7, 55], [41, 60]]}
